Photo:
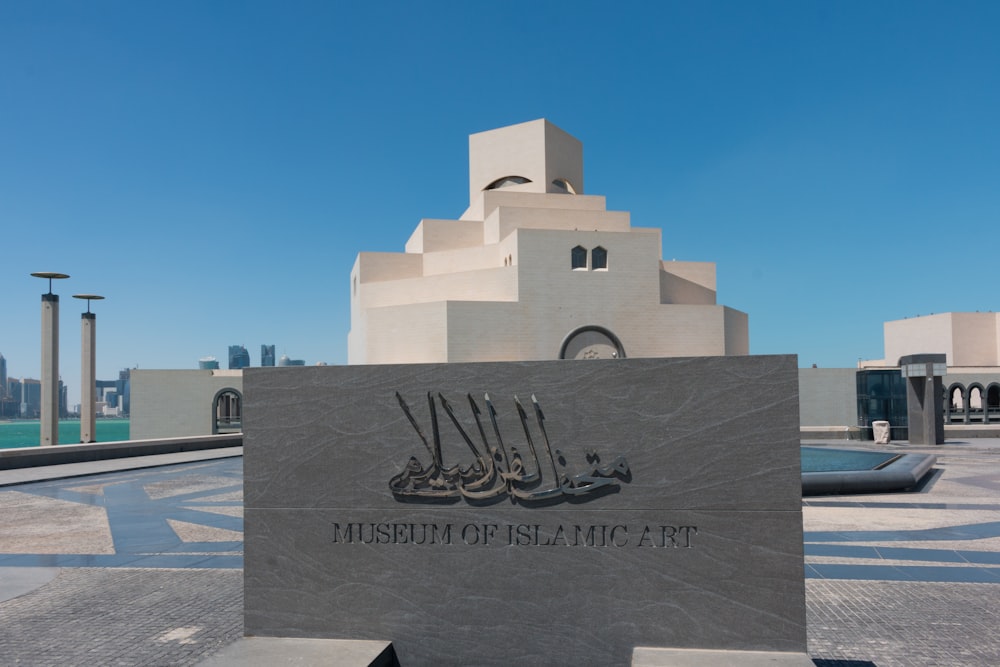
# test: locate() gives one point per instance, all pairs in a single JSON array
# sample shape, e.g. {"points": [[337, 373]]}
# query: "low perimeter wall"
{"points": [[27, 457]]}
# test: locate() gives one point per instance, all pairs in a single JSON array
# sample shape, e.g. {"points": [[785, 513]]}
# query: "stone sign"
{"points": [[538, 513]]}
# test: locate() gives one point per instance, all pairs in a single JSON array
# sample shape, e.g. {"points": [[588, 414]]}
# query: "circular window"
{"points": [[591, 342]]}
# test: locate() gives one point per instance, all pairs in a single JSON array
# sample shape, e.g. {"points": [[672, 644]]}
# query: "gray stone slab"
{"points": [[279, 651], [17, 581], [699, 545], [660, 657]]}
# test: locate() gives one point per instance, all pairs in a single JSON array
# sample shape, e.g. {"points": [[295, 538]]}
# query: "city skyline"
{"points": [[213, 170]]}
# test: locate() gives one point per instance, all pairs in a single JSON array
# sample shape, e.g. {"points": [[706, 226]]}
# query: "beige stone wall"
{"points": [[437, 235], [737, 331], [505, 219], [373, 267], [496, 283], [466, 259], [479, 331], [974, 339], [968, 339], [687, 282], [918, 335], [176, 403], [407, 334], [683, 331], [486, 202]]}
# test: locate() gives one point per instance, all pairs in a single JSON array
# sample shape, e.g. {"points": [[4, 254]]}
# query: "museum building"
{"points": [[534, 269]]}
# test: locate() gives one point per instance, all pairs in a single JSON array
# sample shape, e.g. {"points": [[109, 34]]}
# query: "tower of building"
{"points": [[534, 269]]}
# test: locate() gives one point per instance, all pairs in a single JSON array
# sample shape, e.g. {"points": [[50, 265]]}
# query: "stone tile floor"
{"points": [[188, 515], [143, 567], [909, 578]]}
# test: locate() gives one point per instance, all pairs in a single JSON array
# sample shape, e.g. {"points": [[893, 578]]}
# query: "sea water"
{"points": [[27, 432]]}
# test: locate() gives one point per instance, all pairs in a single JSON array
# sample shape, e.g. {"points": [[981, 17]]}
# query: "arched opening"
{"points": [[227, 411], [955, 407], [591, 342], [992, 402], [507, 182], [976, 402], [578, 258]]}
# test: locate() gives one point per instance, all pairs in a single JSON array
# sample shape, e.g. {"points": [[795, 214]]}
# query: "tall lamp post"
{"points": [[49, 434], [88, 370]]}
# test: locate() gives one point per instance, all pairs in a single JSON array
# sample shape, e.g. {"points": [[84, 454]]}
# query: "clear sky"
{"points": [[213, 168]]}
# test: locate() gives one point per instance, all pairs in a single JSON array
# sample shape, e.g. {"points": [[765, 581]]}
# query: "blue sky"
{"points": [[213, 168]]}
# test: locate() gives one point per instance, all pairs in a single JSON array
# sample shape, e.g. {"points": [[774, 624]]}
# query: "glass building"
{"points": [[238, 357]]}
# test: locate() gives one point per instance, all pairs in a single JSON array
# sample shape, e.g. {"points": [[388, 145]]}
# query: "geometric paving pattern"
{"points": [[948, 531], [891, 578], [183, 516], [885, 561], [191, 516]]}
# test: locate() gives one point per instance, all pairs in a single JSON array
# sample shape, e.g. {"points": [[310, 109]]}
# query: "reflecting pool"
{"points": [[821, 459]]}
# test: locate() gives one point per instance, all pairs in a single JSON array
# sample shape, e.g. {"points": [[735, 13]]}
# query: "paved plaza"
{"points": [[143, 566]]}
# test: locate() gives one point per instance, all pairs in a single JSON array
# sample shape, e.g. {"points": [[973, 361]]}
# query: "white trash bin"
{"points": [[880, 429]]}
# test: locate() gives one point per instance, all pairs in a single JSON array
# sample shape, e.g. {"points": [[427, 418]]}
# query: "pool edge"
{"points": [[901, 474]]}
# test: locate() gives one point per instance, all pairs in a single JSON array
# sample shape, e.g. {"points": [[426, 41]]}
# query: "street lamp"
{"points": [[49, 428], [88, 372]]}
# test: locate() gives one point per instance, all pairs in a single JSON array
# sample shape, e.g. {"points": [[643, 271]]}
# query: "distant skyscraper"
{"points": [[266, 355], [286, 361], [31, 397], [238, 356], [124, 390], [209, 363], [10, 404]]}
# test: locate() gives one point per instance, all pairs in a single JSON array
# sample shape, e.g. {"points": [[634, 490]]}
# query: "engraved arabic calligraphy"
{"points": [[499, 469]]}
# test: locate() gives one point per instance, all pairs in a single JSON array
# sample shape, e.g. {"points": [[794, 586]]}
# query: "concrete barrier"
{"points": [[28, 457]]}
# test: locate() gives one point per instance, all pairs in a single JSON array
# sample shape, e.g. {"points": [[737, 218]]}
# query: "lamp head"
{"points": [[51, 275], [89, 298]]}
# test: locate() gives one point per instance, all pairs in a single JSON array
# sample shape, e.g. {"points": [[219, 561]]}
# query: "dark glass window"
{"points": [[599, 258], [579, 257], [882, 397]]}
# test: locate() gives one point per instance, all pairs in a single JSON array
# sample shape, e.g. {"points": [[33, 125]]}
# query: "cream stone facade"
{"points": [[969, 340], [178, 403], [971, 345], [534, 269]]}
